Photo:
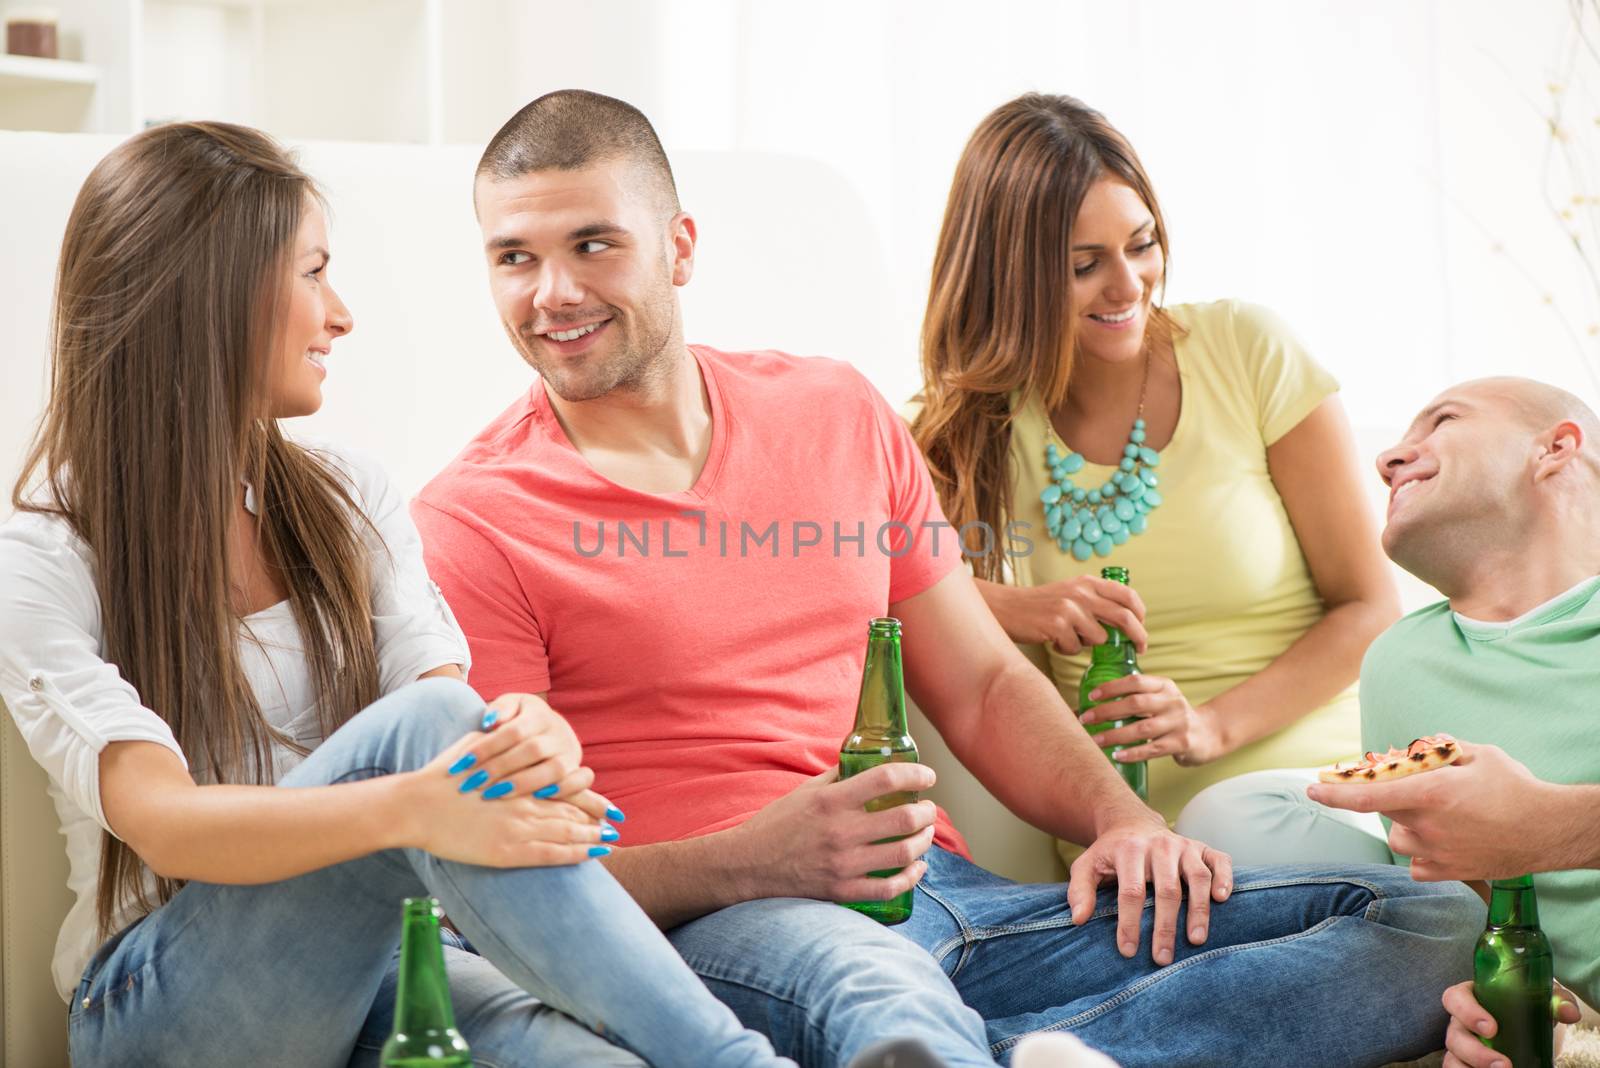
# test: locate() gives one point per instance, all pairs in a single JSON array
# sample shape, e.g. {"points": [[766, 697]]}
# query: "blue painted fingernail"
{"points": [[614, 814], [599, 851], [548, 791], [489, 717], [608, 833], [463, 764], [475, 780], [499, 789]]}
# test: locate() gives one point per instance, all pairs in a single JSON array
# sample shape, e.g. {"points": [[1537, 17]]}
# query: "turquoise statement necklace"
{"points": [[1088, 522]]}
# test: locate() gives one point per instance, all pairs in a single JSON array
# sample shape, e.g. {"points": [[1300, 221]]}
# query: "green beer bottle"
{"points": [[425, 1034], [880, 737], [1114, 660], [1513, 975]]}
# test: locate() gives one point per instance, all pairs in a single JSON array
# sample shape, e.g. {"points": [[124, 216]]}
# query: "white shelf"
{"points": [[27, 72], [397, 71]]}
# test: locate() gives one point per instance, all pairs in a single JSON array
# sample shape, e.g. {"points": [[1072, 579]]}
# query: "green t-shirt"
{"points": [[1530, 686]]}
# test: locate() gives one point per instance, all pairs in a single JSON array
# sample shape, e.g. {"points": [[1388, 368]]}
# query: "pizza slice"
{"points": [[1424, 754]]}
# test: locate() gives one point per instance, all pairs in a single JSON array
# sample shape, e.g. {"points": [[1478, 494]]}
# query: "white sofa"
{"points": [[789, 258]]}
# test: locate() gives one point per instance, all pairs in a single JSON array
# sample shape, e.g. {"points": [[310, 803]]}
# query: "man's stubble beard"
{"points": [[632, 368]]}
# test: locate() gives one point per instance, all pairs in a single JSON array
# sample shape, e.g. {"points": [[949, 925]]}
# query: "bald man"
{"points": [[1494, 500]]}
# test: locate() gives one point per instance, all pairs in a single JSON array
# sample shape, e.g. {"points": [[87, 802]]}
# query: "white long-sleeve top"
{"points": [[69, 702]]}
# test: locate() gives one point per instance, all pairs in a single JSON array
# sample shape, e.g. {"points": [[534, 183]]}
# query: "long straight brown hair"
{"points": [[169, 299], [1000, 318]]}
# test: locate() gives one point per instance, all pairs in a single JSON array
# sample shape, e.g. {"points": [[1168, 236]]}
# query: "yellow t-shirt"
{"points": [[1225, 585]]}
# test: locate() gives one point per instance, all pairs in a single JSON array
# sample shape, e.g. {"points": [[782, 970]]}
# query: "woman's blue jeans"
{"points": [[295, 972]]}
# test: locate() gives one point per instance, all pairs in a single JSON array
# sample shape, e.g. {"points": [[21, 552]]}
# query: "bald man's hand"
{"points": [[1484, 817], [1468, 1020]]}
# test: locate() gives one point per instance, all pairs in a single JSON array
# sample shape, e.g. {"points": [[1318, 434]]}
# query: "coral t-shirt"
{"points": [[706, 646]]}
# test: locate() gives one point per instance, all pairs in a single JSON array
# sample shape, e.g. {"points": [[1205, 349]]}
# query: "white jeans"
{"points": [[1265, 817]]}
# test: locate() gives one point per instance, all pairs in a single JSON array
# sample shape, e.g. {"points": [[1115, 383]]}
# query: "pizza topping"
{"points": [[1423, 754]]}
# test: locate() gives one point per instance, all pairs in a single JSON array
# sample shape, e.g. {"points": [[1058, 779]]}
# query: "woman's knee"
{"points": [[398, 732], [1250, 816], [1265, 817], [446, 696], [440, 704], [1221, 808]]}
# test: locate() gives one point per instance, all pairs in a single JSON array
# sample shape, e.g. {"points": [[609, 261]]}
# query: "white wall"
{"points": [[1351, 162]]}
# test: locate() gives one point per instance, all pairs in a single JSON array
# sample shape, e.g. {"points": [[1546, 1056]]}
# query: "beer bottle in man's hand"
{"points": [[1513, 976], [880, 737]]}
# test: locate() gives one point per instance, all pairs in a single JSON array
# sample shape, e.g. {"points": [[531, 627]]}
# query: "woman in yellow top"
{"points": [[1199, 446]]}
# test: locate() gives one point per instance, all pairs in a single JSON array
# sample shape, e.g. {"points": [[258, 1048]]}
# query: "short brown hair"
{"points": [[570, 129]]}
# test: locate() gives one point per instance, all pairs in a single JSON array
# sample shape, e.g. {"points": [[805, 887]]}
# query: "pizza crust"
{"points": [[1424, 754]]}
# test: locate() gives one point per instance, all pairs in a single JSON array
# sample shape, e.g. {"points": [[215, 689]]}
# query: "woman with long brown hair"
{"points": [[1198, 445], [194, 608]]}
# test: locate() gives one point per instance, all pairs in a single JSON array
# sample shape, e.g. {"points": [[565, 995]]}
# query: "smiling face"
{"points": [[314, 317], [1460, 480], [1116, 269], [582, 266]]}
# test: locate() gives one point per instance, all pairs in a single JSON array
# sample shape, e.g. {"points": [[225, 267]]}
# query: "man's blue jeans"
{"points": [[295, 972], [1303, 966]]}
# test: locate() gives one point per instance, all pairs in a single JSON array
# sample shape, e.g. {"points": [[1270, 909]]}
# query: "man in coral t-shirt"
{"points": [[681, 549]]}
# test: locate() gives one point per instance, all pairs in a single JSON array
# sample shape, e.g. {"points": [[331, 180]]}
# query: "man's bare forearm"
{"points": [[999, 596], [1026, 746], [675, 882]]}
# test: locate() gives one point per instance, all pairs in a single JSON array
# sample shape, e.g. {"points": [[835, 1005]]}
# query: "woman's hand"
{"points": [[1165, 722], [529, 745], [1071, 614], [512, 794]]}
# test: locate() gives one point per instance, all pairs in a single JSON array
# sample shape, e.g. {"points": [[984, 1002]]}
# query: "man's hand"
{"points": [[1483, 817], [819, 840], [1468, 1021], [1163, 719], [1146, 853]]}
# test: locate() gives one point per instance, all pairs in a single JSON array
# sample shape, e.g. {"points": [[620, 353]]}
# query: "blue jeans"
{"points": [[294, 972], [1302, 966]]}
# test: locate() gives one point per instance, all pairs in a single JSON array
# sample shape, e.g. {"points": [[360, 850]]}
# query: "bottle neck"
{"points": [[882, 706], [1512, 903], [422, 1002], [1114, 650]]}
